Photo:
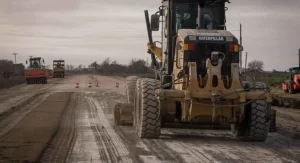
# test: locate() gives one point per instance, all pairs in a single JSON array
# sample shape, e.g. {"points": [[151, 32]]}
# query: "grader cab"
{"points": [[197, 76]]}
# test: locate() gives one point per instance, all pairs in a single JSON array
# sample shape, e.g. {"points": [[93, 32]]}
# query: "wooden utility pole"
{"points": [[15, 66], [15, 54], [246, 60], [241, 44]]}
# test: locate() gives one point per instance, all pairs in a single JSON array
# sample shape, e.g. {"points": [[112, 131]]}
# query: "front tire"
{"points": [[149, 120], [258, 121]]}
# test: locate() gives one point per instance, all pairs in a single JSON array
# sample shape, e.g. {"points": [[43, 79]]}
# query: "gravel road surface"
{"points": [[57, 122]]}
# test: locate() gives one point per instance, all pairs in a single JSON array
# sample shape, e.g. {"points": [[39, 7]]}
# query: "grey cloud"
{"points": [[13, 6]]}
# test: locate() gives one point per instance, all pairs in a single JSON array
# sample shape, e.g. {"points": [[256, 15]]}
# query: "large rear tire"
{"points": [[148, 120]]}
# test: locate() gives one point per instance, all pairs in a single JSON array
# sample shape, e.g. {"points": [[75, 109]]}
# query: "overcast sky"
{"points": [[82, 31]]}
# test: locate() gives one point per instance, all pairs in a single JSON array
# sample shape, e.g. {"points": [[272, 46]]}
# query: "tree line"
{"points": [[7, 66], [107, 66], [112, 67]]}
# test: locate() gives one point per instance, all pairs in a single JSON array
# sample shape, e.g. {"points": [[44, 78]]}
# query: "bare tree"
{"points": [[68, 67], [256, 66], [94, 65]]}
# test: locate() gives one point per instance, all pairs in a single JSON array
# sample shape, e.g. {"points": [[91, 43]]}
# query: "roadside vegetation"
{"points": [[136, 67], [273, 79], [108, 67], [14, 74]]}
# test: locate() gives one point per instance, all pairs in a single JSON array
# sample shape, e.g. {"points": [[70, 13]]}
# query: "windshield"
{"points": [[34, 63], [58, 64], [187, 16], [296, 70]]}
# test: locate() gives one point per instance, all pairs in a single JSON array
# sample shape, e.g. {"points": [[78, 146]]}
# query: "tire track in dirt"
{"points": [[162, 151], [196, 146], [116, 147], [146, 150], [85, 147], [205, 145], [106, 153], [12, 116], [24, 89], [18, 98]]}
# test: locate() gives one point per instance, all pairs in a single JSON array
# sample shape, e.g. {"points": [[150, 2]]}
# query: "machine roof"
{"points": [[34, 58], [196, 32]]}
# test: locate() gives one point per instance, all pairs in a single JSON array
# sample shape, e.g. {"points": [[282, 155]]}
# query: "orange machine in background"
{"points": [[36, 71], [293, 84]]}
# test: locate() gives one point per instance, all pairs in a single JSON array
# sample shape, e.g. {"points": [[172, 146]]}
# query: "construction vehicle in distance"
{"points": [[58, 69], [36, 71], [292, 85], [197, 77]]}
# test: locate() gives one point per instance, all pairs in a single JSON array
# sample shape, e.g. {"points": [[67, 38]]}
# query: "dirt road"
{"points": [[80, 128]]}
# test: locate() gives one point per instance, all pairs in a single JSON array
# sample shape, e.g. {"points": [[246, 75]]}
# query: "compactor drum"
{"points": [[197, 77]]}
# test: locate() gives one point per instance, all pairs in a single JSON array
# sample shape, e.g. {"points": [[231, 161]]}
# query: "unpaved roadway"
{"points": [[60, 123]]}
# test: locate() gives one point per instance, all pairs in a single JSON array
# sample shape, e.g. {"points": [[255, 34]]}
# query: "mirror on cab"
{"points": [[26, 62], [154, 22], [43, 61], [241, 48]]}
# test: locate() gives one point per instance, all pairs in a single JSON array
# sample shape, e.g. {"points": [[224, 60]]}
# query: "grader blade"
{"points": [[123, 114]]}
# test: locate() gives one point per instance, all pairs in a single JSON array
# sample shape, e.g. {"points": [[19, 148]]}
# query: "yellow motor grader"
{"points": [[197, 80], [58, 68]]}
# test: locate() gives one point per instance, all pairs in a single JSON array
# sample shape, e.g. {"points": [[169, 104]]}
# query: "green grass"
{"points": [[272, 80]]}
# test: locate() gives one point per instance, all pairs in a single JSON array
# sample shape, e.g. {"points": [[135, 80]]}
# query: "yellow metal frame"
{"points": [[155, 50], [198, 102]]}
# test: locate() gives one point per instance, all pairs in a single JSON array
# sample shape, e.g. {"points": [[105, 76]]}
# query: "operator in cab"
{"points": [[188, 18]]}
